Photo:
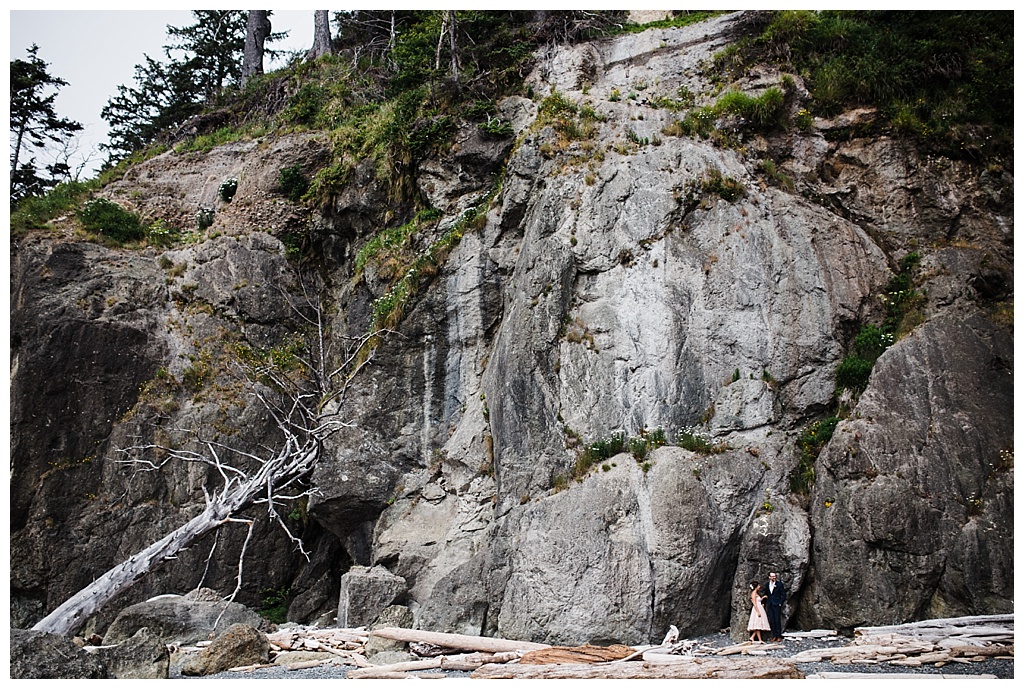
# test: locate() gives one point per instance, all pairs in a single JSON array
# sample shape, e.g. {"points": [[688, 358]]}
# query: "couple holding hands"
{"points": [[766, 615]]}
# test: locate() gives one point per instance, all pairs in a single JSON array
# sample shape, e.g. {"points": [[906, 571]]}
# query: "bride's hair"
{"points": [[754, 584]]}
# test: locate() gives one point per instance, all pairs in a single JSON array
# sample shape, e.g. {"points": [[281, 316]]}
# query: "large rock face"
{"points": [[609, 289], [913, 505]]}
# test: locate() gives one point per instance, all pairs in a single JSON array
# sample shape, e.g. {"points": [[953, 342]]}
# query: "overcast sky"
{"points": [[96, 50]]}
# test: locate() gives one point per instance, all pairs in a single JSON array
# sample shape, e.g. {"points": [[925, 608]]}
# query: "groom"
{"points": [[773, 605]]}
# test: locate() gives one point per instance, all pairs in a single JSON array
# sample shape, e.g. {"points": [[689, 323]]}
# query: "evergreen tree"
{"points": [[34, 122], [163, 96], [202, 59], [211, 49]]}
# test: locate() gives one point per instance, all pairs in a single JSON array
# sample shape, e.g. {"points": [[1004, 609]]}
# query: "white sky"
{"points": [[96, 50]]}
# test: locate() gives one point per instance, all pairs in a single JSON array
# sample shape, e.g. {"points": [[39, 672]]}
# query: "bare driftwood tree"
{"points": [[449, 27], [321, 35], [256, 33], [307, 408]]}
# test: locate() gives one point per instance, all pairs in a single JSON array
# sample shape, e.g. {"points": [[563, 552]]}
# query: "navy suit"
{"points": [[773, 606]]}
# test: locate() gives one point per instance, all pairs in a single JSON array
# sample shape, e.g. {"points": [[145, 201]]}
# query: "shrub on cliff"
{"points": [[109, 219]]}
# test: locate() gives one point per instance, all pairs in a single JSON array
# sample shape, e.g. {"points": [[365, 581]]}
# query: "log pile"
{"points": [[934, 642]]}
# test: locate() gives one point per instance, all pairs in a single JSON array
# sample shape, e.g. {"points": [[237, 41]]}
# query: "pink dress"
{"points": [[758, 617]]}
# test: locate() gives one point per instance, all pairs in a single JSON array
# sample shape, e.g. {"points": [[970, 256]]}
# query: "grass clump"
{"points": [[683, 19], [34, 212], [570, 120], [723, 186], [903, 303], [109, 219], [809, 445], [944, 77], [761, 113], [696, 440], [770, 170]]}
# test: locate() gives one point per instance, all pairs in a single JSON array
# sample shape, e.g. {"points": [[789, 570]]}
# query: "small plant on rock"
{"points": [[227, 189], [204, 218], [293, 183]]}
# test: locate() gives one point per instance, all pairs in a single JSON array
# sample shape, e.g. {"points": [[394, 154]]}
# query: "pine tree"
{"points": [[211, 49], [34, 122], [204, 58]]}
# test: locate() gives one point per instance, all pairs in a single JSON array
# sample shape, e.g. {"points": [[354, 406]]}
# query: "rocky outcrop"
{"points": [[143, 656], [610, 287], [912, 504], [37, 655], [181, 619], [365, 593]]}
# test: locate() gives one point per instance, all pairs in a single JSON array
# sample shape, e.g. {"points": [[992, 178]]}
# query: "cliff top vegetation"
{"points": [[397, 83]]}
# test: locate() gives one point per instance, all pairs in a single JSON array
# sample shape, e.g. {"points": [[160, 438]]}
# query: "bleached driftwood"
{"points": [[690, 668], [745, 648], [811, 634], [472, 661], [487, 644], [463, 662], [401, 675], [375, 672], [974, 630]]}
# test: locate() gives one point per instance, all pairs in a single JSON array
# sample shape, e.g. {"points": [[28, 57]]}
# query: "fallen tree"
{"points": [[694, 668], [306, 407], [487, 644]]}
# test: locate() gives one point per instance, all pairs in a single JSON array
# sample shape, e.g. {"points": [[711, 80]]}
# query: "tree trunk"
{"points": [[693, 668], [255, 36], [448, 26], [69, 616], [321, 35], [488, 644]]}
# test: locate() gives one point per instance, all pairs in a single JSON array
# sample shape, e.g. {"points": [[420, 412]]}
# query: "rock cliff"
{"points": [[623, 280]]}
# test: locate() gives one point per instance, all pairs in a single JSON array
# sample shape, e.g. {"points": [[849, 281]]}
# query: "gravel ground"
{"points": [[1003, 669]]}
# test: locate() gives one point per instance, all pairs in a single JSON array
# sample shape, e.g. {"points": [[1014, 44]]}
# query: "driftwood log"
{"points": [[936, 642], [576, 655], [692, 668], [463, 662], [487, 644]]}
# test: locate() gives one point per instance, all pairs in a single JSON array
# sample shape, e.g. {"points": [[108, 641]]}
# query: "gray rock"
{"points": [[238, 646], [391, 657], [778, 539], [908, 508], [290, 657], [391, 616], [181, 619], [365, 593], [648, 547], [37, 655], [143, 656]]}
